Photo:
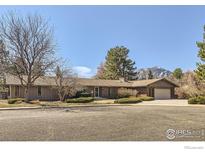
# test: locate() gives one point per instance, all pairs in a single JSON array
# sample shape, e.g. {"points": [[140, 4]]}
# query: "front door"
{"points": [[96, 94]]}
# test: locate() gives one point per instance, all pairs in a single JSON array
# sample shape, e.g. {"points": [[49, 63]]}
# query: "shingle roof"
{"points": [[106, 83], [42, 81], [50, 81], [143, 83]]}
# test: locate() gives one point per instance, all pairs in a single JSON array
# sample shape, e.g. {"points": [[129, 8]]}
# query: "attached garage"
{"points": [[157, 88], [162, 89], [162, 93]]}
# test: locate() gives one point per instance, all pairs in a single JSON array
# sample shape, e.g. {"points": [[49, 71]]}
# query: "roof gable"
{"points": [[166, 80]]}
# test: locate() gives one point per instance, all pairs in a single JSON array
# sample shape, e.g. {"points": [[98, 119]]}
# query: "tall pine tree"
{"points": [[118, 64], [178, 73], [150, 75], [200, 71]]}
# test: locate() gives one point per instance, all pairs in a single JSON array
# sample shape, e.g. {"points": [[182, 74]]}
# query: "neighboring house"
{"points": [[44, 88]]}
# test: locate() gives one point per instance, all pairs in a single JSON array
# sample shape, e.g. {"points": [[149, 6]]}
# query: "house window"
{"points": [[17, 91], [8, 91], [96, 92], [39, 91], [108, 92]]}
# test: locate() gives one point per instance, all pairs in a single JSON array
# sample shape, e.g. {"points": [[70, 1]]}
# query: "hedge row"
{"points": [[146, 98], [80, 100], [197, 100], [127, 100], [133, 100]]}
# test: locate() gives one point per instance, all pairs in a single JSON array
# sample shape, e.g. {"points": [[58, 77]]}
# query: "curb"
{"points": [[19, 108], [101, 105], [56, 107]]}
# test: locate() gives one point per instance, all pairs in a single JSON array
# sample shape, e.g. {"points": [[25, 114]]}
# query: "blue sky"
{"points": [[163, 36]]}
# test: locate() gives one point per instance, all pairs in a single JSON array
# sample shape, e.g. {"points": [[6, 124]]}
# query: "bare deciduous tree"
{"points": [[29, 47], [100, 71], [189, 85], [66, 82], [2, 57]]}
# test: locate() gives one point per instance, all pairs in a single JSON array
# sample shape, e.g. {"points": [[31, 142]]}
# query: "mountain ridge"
{"points": [[157, 72]]}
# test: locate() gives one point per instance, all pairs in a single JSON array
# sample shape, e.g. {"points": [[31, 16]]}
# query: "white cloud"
{"points": [[83, 71]]}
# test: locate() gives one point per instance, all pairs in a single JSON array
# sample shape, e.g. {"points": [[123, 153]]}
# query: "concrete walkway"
{"points": [[171, 102]]}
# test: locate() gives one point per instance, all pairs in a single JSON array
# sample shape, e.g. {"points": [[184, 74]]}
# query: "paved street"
{"points": [[119, 123]]}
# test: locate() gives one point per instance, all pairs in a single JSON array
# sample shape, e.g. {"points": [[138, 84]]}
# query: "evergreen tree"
{"points": [[118, 64], [178, 73], [200, 71], [150, 74]]}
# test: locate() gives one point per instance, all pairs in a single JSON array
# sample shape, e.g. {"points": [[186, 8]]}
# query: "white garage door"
{"points": [[162, 93]]}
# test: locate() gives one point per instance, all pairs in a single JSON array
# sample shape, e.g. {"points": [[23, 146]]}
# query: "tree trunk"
{"points": [[60, 95], [61, 98], [27, 94]]}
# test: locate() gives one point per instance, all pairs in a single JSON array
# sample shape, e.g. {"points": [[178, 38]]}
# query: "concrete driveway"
{"points": [[170, 102]]}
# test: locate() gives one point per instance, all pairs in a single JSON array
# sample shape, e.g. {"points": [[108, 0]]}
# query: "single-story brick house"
{"points": [[43, 88]]}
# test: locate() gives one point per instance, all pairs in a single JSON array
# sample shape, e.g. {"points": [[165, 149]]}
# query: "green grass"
{"points": [[6, 105], [128, 100], [15, 100], [70, 102], [63, 104], [44, 104], [197, 100], [145, 98], [132, 100], [80, 100]]}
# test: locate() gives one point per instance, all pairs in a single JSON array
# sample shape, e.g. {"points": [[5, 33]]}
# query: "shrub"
{"points": [[193, 100], [146, 98], [80, 100], [15, 100], [123, 95], [197, 100], [82, 94], [127, 100], [85, 94]]}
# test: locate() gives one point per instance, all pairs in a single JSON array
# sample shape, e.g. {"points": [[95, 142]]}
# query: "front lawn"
{"points": [[36, 103], [128, 100], [19, 102], [80, 100], [43, 104], [6, 105], [64, 104]]}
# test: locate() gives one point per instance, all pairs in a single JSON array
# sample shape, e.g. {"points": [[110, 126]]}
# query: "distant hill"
{"points": [[157, 72]]}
